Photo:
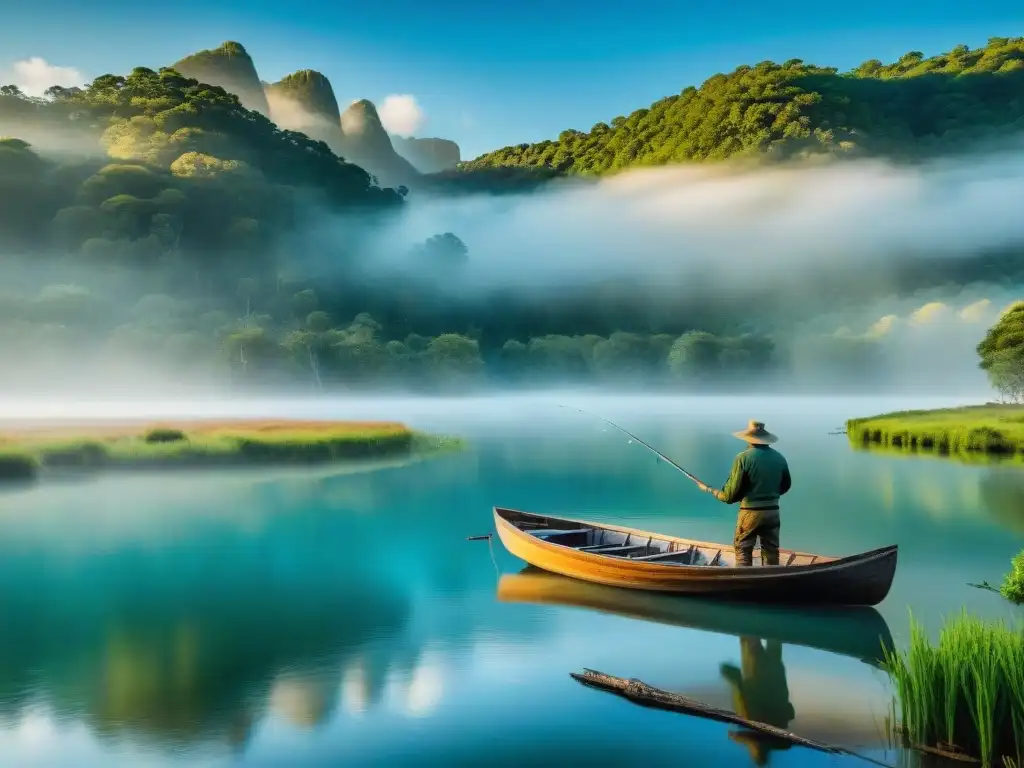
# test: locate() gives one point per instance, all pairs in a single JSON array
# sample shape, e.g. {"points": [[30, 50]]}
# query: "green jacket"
{"points": [[760, 475]]}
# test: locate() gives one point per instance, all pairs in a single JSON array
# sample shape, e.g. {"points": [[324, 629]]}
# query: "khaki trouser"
{"points": [[752, 525]]}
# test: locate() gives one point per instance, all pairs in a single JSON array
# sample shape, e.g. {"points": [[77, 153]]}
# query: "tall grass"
{"points": [[964, 693]]}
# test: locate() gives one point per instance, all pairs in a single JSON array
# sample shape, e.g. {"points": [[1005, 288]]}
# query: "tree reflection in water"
{"points": [[1002, 494]]}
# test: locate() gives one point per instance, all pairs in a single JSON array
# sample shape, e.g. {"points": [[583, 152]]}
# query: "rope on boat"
{"points": [[654, 450], [490, 548]]}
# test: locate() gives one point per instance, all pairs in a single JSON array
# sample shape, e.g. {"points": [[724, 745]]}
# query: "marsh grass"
{"points": [[217, 443], [966, 692], [995, 430], [18, 466]]}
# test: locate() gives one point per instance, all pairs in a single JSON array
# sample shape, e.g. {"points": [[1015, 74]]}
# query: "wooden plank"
{"points": [[559, 531], [620, 550], [597, 547], [662, 555]]}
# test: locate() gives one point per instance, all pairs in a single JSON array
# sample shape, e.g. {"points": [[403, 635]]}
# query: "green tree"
{"points": [[775, 111], [1002, 354], [454, 358], [695, 354], [445, 249]]}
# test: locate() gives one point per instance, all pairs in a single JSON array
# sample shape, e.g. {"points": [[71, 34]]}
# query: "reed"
{"points": [[964, 693]]}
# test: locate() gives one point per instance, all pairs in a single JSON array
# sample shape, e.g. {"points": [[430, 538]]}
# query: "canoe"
{"points": [[857, 632], [626, 557]]}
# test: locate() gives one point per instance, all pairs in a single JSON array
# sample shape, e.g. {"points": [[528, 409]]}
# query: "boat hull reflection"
{"points": [[858, 632]]}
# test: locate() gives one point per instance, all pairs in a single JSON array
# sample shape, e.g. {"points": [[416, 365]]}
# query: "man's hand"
{"points": [[703, 487]]}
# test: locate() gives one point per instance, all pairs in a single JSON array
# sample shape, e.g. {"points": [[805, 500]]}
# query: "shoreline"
{"points": [[993, 431], [31, 449]]}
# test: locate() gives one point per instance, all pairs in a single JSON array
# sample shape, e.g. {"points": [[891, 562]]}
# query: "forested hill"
{"points": [[908, 108], [186, 169]]}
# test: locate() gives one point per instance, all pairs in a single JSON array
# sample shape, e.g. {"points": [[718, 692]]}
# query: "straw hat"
{"points": [[756, 434]]}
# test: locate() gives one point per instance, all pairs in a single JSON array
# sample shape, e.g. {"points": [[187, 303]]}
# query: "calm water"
{"points": [[314, 618]]}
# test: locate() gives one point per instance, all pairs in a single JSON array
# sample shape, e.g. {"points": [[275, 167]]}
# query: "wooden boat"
{"points": [[627, 557], [858, 632]]}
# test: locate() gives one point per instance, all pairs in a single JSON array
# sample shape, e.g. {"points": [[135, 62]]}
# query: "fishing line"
{"points": [[654, 450], [490, 548]]}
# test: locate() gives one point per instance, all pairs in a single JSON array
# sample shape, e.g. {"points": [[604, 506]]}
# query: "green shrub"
{"points": [[17, 466], [88, 453], [164, 435], [1013, 584]]}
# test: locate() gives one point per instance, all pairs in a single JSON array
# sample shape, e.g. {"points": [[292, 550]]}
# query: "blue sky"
{"points": [[489, 74]]}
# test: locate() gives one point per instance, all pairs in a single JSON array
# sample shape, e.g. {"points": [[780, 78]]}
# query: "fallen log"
{"points": [[646, 695]]}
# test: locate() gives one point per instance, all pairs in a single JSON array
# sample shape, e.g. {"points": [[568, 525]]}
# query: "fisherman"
{"points": [[759, 476]]}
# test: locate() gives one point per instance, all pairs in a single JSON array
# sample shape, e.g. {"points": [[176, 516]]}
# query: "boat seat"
{"points": [[665, 555], [548, 532], [619, 549]]}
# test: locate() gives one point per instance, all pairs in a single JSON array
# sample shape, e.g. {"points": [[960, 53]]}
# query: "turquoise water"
{"points": [[310, 618]]}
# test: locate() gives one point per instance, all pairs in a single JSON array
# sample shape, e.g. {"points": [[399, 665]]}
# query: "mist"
{"points": [[808, 252], [734, 228]]}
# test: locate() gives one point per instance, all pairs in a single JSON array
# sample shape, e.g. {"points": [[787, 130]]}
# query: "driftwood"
{"points": [[641, 693]]}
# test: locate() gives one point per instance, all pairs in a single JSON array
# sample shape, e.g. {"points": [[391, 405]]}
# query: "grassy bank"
{"points": [[964, 694], [993, 430], [26, 449]]}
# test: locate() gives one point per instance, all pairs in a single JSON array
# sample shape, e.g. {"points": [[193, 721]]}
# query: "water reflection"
{"points": [[1002, 494], [343, 619], [758, 687], [178, 646], [760, 692], [858, 632]]}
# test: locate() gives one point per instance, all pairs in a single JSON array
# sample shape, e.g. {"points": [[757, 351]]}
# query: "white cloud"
{"points": [[34, 75], [400, 114]]}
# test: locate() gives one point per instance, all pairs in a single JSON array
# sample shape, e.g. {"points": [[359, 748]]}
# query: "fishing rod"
{"points": [[652, 449]]}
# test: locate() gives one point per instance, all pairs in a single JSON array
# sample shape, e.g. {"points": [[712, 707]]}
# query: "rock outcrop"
{"points": [[230, 67], [368, 145], [305, 101]]}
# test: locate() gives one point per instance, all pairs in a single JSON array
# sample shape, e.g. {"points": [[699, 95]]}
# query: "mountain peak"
{"points": [[309, 90], [361, 117], [230, 67], [231, 48], [368, 144]]}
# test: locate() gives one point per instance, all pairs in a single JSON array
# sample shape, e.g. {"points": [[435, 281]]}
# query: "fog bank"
{"points": [[731, 227]]}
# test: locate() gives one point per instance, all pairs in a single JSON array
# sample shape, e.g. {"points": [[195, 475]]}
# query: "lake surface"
{"points": [[315, 618]]}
